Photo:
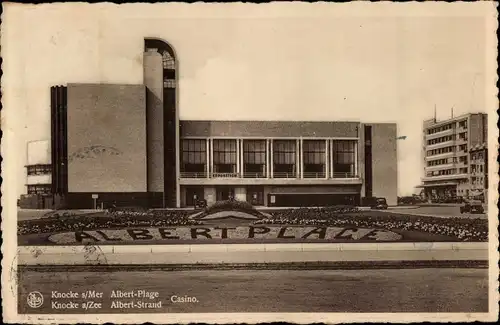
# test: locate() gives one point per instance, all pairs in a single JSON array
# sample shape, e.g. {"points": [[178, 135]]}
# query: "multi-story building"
{"points": [[447, 155], [125, 144], [38, 176], [479, 172]]}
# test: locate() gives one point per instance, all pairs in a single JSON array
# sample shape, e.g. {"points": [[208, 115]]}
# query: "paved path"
{"points": [[409, 290]]}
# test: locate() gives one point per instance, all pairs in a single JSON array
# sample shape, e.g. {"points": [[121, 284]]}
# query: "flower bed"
{"points": [[464, 229], [117, 219]]}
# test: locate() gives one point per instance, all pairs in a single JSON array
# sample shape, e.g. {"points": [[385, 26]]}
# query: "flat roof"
{"points": [[450, 120]]}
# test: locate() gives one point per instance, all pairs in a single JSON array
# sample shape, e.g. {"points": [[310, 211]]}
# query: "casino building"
{"points": [[125, 145]]}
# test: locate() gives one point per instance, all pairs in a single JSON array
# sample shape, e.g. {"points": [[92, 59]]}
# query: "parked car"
{"points": [[472, 207], [379, 203], [405, 200]]}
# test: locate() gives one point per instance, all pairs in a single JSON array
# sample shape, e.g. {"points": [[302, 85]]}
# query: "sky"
{"points": [[239, 62]]}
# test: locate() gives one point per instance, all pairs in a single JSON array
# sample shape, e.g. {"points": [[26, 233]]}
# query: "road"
{"points": [[375, 290], [438, 211]]}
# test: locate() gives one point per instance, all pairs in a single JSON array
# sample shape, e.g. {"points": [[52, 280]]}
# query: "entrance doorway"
{"points": [[194, 194], [225, 193]]}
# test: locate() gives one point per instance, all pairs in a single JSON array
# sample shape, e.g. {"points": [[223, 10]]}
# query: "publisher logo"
{"points": [[35, 299]]}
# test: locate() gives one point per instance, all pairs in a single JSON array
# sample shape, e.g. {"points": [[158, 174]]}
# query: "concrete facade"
{"points": [[384, 156], [153, 80]]}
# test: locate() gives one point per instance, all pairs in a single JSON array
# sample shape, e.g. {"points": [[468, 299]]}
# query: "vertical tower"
{"points": [[59, 147], [162, 121]]}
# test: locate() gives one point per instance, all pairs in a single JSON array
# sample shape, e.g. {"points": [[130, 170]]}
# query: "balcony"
{"points": [[440, 144], [39, 179], [445, 177], [284, 175], [438, 167], [254, 175], [343, 175], [314, 175], [441, 155], [193, 174]]}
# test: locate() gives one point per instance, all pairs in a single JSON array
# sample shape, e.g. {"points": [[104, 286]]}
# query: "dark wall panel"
{"points": [[59, 136]]}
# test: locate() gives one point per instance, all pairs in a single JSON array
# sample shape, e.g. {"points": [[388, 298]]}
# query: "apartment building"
{"points": [[448, 171]]}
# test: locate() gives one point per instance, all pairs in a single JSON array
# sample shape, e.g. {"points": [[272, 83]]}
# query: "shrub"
{"points": [[231, 205]]}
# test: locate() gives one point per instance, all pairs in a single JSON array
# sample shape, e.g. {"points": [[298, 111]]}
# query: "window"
{"points": [[314, 158], [194, 157], [39, 189], [343, 156], [168, 61], [284, 158], [39, 170], [254, 158], [169, 83], [255, 195], [224, 157]]}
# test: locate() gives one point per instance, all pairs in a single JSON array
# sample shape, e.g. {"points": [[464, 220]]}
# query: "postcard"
{"points": [[239, 162]]}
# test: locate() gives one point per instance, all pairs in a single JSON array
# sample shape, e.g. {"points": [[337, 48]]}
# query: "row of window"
{"points": [[439, 151], [461, 124], [477, 169], [224, 151], [477, 155], [440, 129], [39, 170], [439, 162], [451, 171], [446, 161], [39, 189], [477, 180], [442, 172], [448, 149], [439, 140]]}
